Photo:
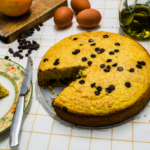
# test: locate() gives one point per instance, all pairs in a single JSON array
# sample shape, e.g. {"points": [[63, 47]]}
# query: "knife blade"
{"points": [[18, 115]]}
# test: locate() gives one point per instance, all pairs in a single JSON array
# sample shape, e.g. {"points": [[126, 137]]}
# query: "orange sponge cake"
{"points": [[108, 77]]}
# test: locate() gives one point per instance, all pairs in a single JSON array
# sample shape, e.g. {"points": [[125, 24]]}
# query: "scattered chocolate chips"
{"points": [[117, 44], [114, 65], [111, 53], [131, 70], [141, 63], [89, 63], [105, 36], [120, 69], [65, 109], [108, 90], [75, 39], [139, 66], [128, 84], [112, 87], [97, 92], [93, 56], [108, 60], [108, 67], [91, 40], [102, 66], [84, 59], [99, 88], [76, 52], [56, 62], [106, 70], [81, 81], [93, 85], [6, 57], [93, 44], [116, 50]]}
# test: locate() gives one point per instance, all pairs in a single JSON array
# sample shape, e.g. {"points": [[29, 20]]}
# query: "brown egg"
{"points": [[89, 18], [63, 16], [79, 5]]}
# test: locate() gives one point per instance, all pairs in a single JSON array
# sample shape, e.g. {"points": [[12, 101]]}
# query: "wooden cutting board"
{"points": [[40, 11]]}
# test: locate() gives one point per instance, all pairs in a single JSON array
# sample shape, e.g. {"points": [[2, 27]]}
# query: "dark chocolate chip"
{"points": [[34, 42], [111, 87], [93, 44], [20, 51], [81, 44], [97, 92], [91, 40], [10, 49], [139, 66], [108, 90], [106, 70], [97, 49], [6, 57], [40, 70], [21, 57], [84, 59], [65, 109], [99, 88], [93, 55], [81, 81], [105, 36], [74, 53], [143, 63], [128, 84], [93, 85], [108, 67], [102, 66], [117, 44], [111, 53], [41, 24], [27, 55], [120, 69], [19, 47], [116, 50], [77, 51], [108, 60], [131, 70], [45, 60], [89, 63], [75, 39], [56, 62], [18, 39], [114, 65], [102, 50]]}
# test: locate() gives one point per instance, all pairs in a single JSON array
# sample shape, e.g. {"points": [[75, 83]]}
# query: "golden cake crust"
{"points": [[81, 103]]}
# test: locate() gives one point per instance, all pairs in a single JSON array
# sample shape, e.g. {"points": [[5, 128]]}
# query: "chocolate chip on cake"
{"points": [[93, 55], [6, 57], [120, 69], [117, 44], [99, 88], [139, 66], [108, 90], [97, 49], [102, 50], [65, 109], [56, 62], [93, 44], [106, 70], [93, 85], [116, 50], [81, 81], [77, 51], [128, 84], [102, 66], [111, 53], [114, 65], [89, 63], [112, 87], [91, 40], [40, 70], [75, 39], [81, 44], [97, 92], [143, 63], [84, 59], [108, 60], [131, 70], [108, 67], [105, 36]]}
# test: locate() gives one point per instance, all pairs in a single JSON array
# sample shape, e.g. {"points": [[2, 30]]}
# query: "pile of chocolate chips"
{"points": [[25, 44]]}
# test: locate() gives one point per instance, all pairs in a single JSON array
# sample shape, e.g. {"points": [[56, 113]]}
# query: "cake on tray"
{"points": [[3, 92], [107, 77]]}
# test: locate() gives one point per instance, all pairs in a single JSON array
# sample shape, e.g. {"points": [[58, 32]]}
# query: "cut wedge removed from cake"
{"points": [[3, 92], [108, 77]]}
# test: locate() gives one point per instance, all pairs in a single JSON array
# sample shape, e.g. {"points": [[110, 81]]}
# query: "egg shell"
{"points": [[79, 5], [89, 18], [63, 16]]}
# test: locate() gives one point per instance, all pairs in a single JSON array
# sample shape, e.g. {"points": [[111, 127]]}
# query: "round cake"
{"points": [[106, 76]]}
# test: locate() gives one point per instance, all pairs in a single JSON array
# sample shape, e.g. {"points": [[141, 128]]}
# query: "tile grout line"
{"points": [[90, 140], [70, 138], [118, 17], [32, 127], [103, 13], [111, 138], [132, 135], [50, 134]]}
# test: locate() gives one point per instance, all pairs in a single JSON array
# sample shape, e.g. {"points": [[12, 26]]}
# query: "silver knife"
{"points": [[17, 119]]}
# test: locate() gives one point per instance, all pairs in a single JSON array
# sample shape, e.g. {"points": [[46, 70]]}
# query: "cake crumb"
{"points": [[52, 90]]}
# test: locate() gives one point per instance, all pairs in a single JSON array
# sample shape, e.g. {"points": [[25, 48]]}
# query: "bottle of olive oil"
{"points": [[135, 20]]}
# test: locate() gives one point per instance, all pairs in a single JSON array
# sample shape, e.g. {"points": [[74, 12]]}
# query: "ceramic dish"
{"points": [[11, 77]]}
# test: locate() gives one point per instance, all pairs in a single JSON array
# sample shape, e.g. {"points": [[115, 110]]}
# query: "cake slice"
{"points": [[3, 92]]}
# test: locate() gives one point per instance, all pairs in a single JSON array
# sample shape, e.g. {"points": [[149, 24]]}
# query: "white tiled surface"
{"points": [[41, 132]]}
